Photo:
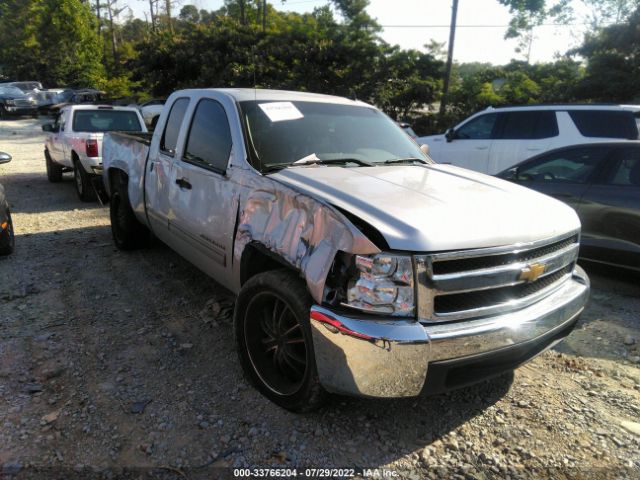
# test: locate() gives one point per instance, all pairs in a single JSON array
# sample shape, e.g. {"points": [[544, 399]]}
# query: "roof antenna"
{"points": [[353, 94]]}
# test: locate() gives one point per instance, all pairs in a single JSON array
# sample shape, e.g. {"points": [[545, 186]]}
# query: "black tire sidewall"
{"points": [[128, 233], [119, 234], [54, 172], [290, 288], [87, 194]]}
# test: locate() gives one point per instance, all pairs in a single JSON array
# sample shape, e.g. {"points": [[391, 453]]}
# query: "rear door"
{"points": [[520, 135], [160, 173], [470, 145], [610, 211], [202, 196]]}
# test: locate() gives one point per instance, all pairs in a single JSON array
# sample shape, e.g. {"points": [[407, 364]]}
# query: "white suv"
{"points": [[497, 138]]}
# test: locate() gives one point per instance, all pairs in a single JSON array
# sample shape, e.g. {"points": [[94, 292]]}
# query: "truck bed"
{"points": [[127, 151], [142, 137]]}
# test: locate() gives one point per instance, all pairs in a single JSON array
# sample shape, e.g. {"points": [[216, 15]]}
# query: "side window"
{"points": [[565, 166], [209, 141], [530, 125], [605, 123], [626, 169], [172, 128], [480, 128]]}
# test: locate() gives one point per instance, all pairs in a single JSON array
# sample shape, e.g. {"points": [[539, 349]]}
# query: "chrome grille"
{"points": [[489, 281], [23, 103], [475, 263]]}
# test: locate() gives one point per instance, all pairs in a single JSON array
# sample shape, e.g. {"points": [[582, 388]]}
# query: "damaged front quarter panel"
{"points": [[304, 232]]}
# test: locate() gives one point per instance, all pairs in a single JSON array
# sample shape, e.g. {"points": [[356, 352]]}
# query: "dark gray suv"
{"points": [[14, 101]]}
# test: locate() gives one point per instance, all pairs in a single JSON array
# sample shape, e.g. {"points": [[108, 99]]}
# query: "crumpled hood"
{"points": [[436, 207]]}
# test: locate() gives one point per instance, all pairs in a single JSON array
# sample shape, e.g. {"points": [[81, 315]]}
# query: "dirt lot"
{"points": [[123, 364]]}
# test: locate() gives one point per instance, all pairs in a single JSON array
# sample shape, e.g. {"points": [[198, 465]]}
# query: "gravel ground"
{"points": [[115, 364]]}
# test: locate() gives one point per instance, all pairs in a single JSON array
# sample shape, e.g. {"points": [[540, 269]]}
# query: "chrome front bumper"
{"points": [[391, 358]]}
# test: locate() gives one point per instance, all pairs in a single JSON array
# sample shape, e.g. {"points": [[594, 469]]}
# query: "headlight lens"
{"points": [[10, 102], [383, 284]]}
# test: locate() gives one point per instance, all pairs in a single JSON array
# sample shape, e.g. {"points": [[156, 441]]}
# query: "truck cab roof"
{"points": [[258, 94]]}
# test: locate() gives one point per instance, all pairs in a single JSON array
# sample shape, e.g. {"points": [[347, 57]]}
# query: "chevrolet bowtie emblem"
{"points": [[532, 272]]}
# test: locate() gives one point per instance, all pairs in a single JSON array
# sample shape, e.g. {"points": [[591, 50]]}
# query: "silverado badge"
{"points": [[532, 272]]}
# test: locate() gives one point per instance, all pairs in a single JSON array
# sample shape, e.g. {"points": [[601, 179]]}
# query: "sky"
{"points": [[432, 18]]}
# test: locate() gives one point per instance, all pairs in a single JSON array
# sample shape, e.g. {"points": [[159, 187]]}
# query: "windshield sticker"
{"points": [[280, 111]]}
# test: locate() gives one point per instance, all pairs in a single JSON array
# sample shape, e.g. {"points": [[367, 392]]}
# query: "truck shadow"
{"points": [[33, 193]]}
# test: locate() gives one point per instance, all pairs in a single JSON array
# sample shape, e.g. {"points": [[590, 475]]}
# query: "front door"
{"points": [[470, 144], [565, 173], [55, 139], [202, 197]]}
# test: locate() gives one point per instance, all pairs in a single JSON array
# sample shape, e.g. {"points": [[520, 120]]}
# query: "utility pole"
{"points": [[98, 6], [447, 74], [264, 15]]}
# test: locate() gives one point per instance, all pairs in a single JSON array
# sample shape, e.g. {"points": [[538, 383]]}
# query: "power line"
{"points": [[492, 26], [303, 1]]}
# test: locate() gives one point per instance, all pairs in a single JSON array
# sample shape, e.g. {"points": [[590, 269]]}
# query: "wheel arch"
{"points": [[115, 175], [257, 258]]}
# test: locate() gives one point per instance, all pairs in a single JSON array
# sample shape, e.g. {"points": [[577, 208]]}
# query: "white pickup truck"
{"points": [[361, 267], [74, 142]]}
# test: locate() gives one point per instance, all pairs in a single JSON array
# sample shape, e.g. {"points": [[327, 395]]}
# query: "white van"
{"points": [[497, 138]]}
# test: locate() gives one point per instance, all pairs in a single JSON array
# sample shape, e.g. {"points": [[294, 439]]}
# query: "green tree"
{"points": [[613, 63], [54, 41]]}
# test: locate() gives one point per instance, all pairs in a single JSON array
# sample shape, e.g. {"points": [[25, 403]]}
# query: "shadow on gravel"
{"points": [[46, 196], [610, 317]]}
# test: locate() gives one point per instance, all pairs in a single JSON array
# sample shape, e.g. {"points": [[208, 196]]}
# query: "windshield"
{"points": [[11, 91], [280, 133], [28, 86], [105, 121]]}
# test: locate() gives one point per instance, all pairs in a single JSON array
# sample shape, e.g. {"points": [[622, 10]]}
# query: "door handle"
{"points": [[183, 183], [483, 147]]}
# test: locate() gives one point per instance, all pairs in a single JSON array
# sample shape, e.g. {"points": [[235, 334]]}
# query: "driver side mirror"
{"points": [[450, 135], [511, 174], [4, 157], [49, 127]]}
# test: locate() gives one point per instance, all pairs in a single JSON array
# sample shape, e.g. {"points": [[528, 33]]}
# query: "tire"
{"points": [[128, 233], [54, 171], [274, 342], [3, 113], [82, 181], [7, 237]]}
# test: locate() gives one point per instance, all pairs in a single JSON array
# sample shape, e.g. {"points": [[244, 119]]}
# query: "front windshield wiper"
{"points": [[274, 167], [405, 160], [314, 160], [336, 161]]}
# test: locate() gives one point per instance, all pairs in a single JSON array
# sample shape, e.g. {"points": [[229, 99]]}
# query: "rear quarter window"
{"points": [[605, 123]]}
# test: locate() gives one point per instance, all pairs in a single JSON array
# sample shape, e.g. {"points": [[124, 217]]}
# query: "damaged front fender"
{"points": [[304, 232]]}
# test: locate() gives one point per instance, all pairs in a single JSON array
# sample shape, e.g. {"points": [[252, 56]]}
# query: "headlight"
{"points": [[383, 284], [10, 102]]}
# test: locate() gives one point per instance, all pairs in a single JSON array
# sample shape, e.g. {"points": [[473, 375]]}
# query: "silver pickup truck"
{"points": [[360, 266]]}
